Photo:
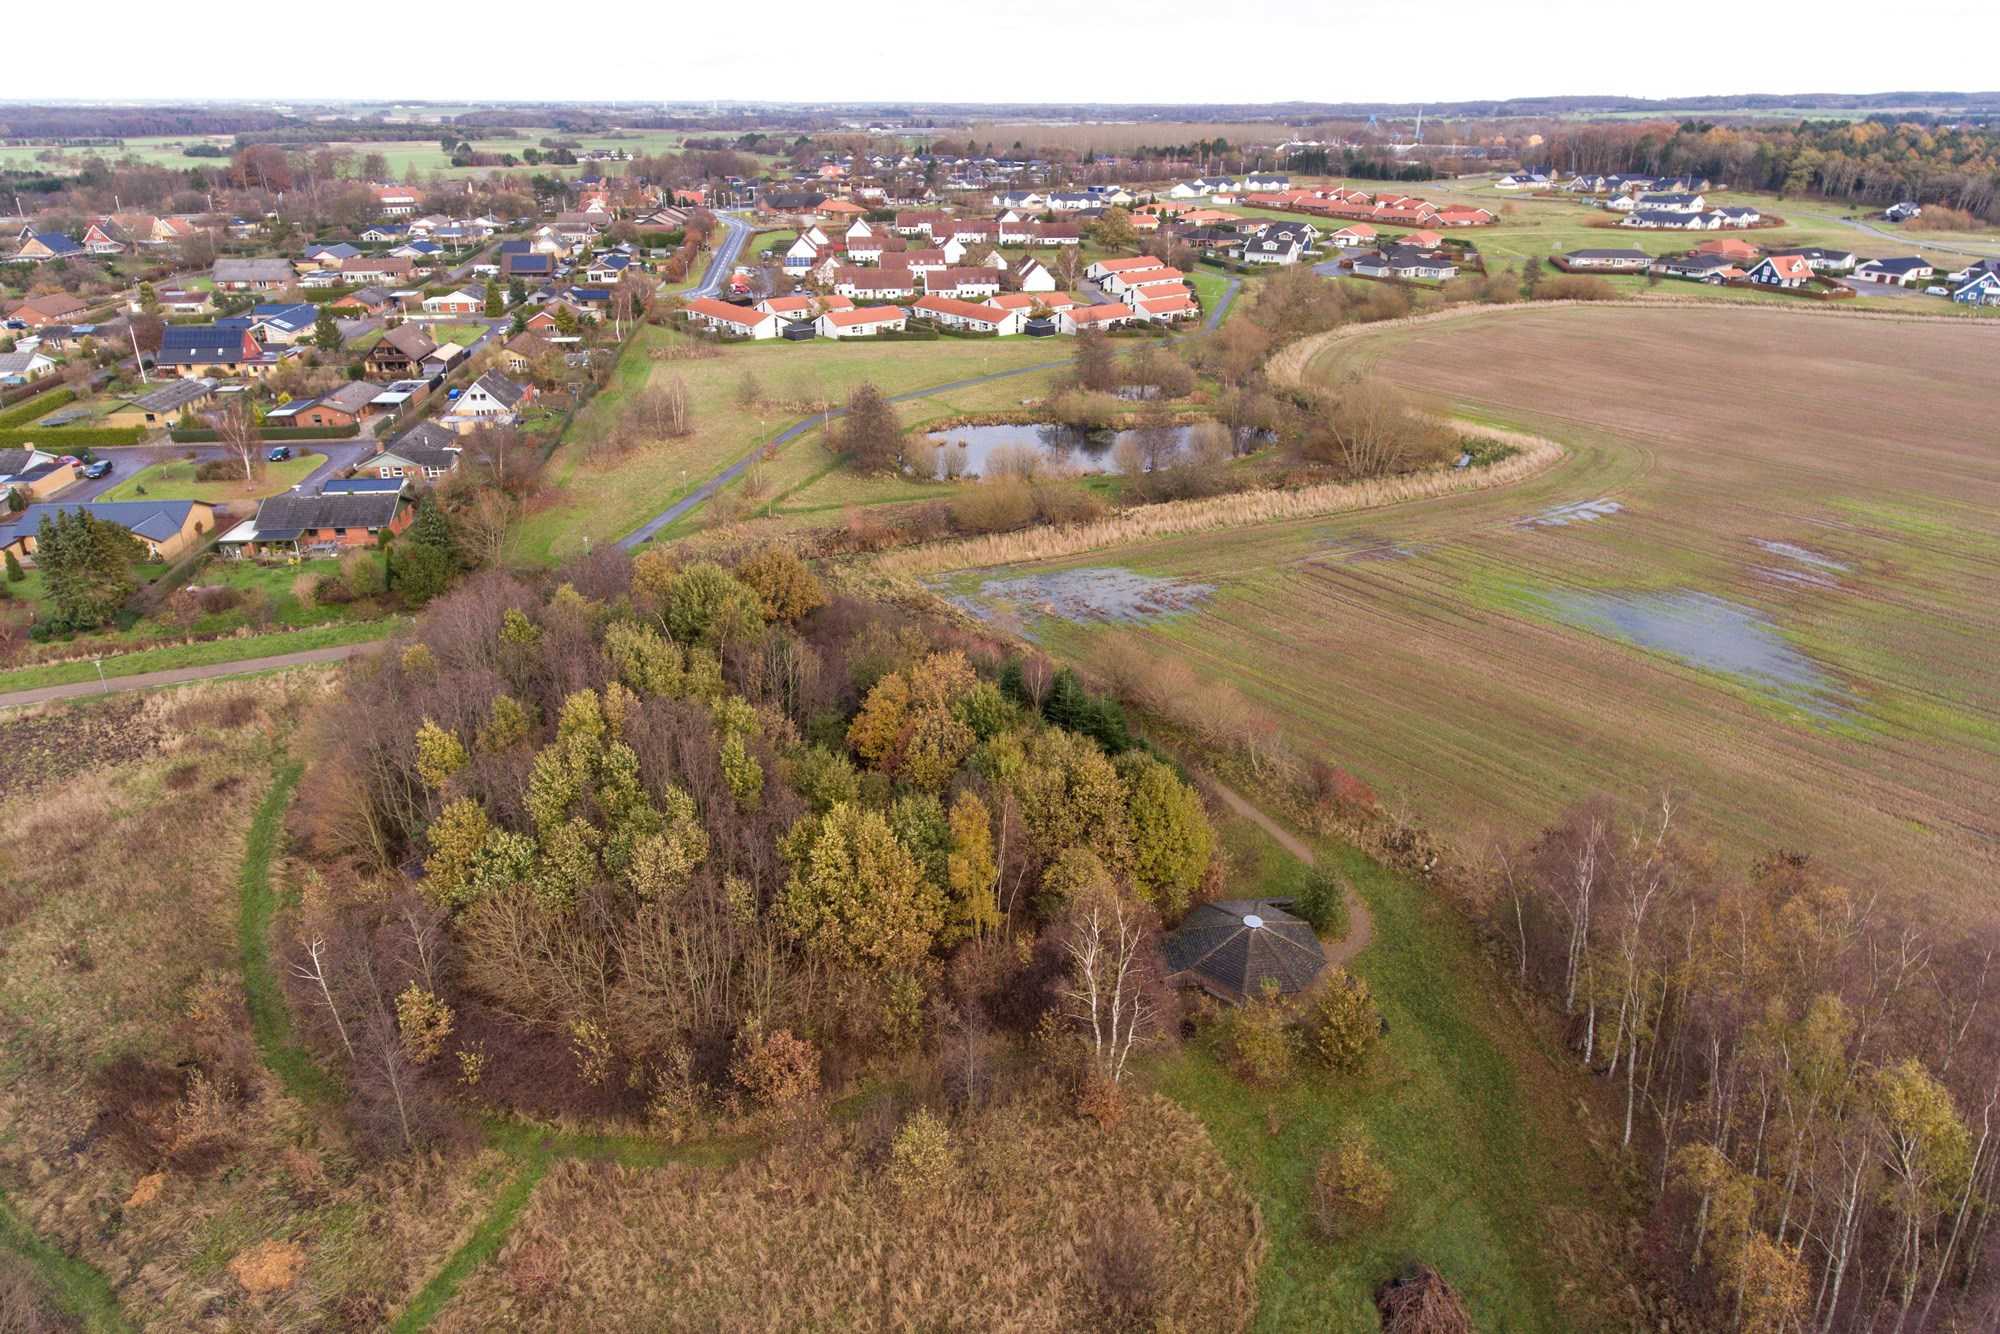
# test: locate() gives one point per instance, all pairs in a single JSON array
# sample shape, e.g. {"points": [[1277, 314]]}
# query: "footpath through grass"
{"points": [[76, 1286], [270, 1020], [1447, 1105]]}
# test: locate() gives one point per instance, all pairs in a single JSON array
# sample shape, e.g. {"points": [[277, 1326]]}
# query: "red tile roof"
{"points": [[709, 308], [1116, 310], [944, 305], [865, 315]]}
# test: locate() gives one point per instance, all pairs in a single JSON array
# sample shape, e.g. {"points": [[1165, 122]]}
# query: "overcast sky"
{"points": [[1017, 50]]}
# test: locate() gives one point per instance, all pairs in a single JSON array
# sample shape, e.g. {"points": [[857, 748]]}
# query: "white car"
{"points": [[1937, 291]]}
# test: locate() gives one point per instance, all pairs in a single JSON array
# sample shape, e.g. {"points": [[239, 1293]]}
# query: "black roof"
{"points": [[1231, 946], [283, 517], [198, 343]]}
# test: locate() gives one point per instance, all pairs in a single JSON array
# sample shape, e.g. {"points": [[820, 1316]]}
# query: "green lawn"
{"points": [[176, 480], [601, 501], [203, 654], [1481, 1157], [465, 335]]}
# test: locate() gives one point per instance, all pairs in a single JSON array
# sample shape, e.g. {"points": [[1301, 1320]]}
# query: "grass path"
{"points": [[481, 1246], [270, 1020], [77, 1286]]}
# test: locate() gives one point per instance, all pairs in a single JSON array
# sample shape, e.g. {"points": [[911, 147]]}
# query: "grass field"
{"points": [[176, 480], [1809, 549], [418, 154], [599, 502], [1461, 1105]]}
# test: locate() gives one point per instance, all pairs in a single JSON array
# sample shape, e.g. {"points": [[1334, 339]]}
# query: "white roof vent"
{"points": [[1253, 921]]}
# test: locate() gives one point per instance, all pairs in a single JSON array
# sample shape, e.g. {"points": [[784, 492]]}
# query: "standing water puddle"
{"points": [[1711, 633], [1580, 511], [1099, 594]]}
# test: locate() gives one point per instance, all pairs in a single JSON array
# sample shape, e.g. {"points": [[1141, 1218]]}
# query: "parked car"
{"points": [[101, 468], [1937, 291], [279, 453]]}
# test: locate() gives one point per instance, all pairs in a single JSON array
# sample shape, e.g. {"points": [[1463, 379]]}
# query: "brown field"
{"points": [[1780, 599]]}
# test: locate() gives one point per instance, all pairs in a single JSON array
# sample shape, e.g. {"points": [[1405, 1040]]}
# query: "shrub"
{"points": [[327, 591], [362, 574], [1350, 1189], [1419, 1301], [1123, 1260], [1344, 1025], [786, 589], [921, 1160], [1322, 900], [217, 470], [778, 1071], [424, 1022], [15, 574], [1258, 1037], [1574, 287], [995, 505]]}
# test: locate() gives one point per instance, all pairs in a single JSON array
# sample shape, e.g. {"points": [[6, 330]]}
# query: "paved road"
{"points": [[182, 675], [1902, 240], [736, 232], [128, 460], [701, 494]]}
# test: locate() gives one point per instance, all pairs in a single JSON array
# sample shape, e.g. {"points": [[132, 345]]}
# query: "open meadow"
{"points": [[1771, 589], [601, 499]]}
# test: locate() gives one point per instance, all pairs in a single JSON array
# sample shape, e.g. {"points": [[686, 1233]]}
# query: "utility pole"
{"points": [[141, 361]]}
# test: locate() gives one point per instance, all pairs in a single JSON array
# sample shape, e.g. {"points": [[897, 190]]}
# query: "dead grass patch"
{"points": [[1047, 1223]]}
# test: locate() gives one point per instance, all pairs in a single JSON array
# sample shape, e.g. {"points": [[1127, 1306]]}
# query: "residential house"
{"points": [[1402, 262], [1733, 248], [460, 302], [376, 269], [50, 308], [1104, 268], [343, 406], [1607, 261], [41, 247], [395, 201], [964, 284], [955, 314], [1822, 259], [181, 301], [1163, 305], [330, 256], [425, 452], [524, 351], [1354, 234], [1035, 277], [284, 325], [400, 352], [361, 302], [1669, 203], [733, 321], [1737, 215], [26, 367], [35, 473], [1118, 283], [213, 351], [1903, 211], [1082, 319], [291, 522], [1462, 215], [358, 486], [862, 284], [1781, 271], [1280, 243], [1030, 302], [1981, 289], [491, 400], [862, 321], [1266, 180], [1898, 272], [168, 529], [162, 405], [921, 261], [98, 239], [252, 275], [1712, 269]]}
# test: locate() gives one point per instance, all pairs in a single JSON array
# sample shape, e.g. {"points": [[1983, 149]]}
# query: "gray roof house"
{"points": [[246, 274], [1230, 947]]}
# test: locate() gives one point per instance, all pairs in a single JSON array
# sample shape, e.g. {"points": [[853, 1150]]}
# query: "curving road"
{"points": [[701, 494], [1908, 244]]}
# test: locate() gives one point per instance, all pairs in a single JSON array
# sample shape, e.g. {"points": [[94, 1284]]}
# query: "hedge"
{"points": [[207, 435], [68, 439], [37, 405]]}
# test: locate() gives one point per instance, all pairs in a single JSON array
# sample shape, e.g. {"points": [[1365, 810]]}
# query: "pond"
{"points": [[964, 451], [1093, 594]]}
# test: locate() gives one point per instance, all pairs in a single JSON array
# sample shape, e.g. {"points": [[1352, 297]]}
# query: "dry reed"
{"points": [[1181, 517]]}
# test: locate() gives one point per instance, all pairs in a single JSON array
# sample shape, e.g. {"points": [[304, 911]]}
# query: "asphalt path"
{"points": [[701, 494], [182, 675], [724, 259], [1909, 246], [1214, 317]]}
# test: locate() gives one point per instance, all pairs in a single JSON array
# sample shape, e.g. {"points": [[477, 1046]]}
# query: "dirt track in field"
{"points": [[1826, 487]]}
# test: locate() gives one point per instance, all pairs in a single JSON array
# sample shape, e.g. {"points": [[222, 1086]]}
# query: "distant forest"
{"points": [[1865, 161]]}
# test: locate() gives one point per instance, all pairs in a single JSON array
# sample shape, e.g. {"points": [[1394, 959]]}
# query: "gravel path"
{"points": [[181, 675]]}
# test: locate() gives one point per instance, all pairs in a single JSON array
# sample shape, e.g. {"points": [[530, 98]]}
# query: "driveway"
{"points": [[127, 461]]}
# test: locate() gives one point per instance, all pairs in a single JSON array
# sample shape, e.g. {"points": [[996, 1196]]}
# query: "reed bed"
{"points": [[1179, 518]]}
